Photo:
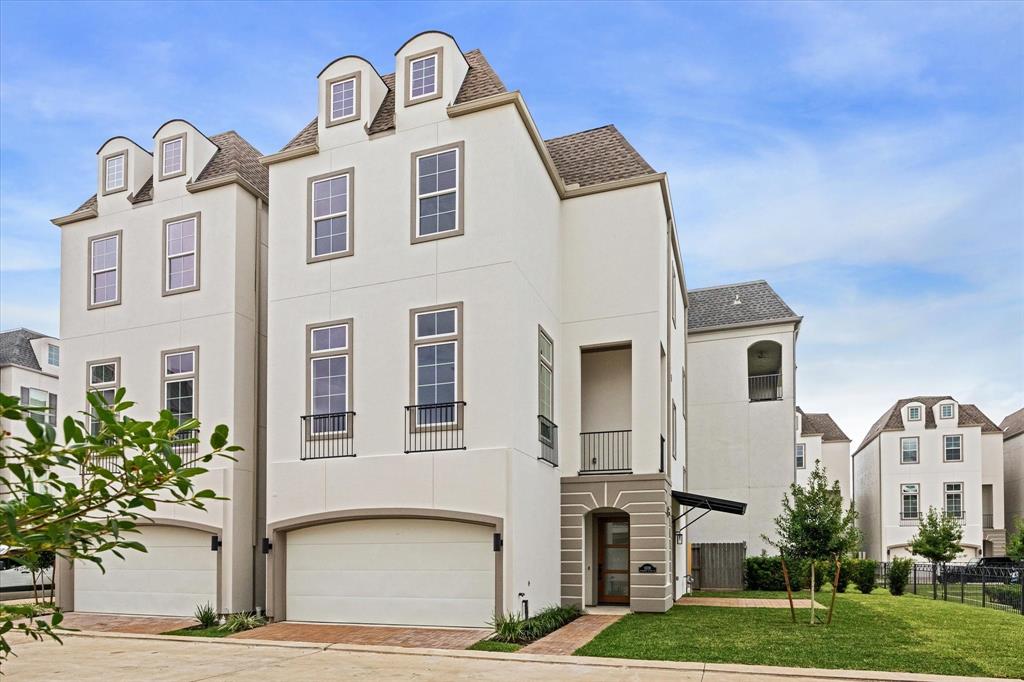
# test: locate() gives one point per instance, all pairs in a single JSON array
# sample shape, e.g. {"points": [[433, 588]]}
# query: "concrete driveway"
{"points": [[116, 658]]}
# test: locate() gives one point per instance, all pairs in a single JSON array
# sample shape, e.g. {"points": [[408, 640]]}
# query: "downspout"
{"points": [[258, 498]]}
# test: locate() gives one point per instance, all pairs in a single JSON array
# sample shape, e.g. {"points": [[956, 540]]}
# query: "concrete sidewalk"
{"points": [[109, 657]]}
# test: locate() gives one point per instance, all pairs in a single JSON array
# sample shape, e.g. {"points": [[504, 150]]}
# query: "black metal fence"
{"points": [[605, 451], [326, 435], [434, 427], [185, 445], [547, 433], [765, 387], [985, 586]]}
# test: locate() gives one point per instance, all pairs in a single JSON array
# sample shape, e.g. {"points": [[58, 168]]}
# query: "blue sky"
{"points": [[866, 159]]}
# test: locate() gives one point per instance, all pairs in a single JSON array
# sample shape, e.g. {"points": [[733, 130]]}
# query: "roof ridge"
{"points": [[606, 126], [726, 286]]}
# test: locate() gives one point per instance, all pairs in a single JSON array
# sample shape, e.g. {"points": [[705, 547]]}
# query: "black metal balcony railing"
{"points": [[605, 452], [987, 521], [547, 433], [326, 435], [434, 427], [186, 446], [765, 387]]}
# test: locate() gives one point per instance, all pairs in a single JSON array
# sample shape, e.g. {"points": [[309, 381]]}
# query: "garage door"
{"points": [[392, 571], [178, 572]]}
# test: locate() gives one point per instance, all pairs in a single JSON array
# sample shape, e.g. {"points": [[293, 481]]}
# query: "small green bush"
{"points": [[1004, 594], [509, 627], [237, 622], [205, 614], [765, 573], [513, 629], [863, 573], [899, 573]]}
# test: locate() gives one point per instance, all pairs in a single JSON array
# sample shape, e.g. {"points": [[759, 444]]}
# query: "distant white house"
{"points": [[930, 451], [29, 369], [1013, 466], [819, 438]]}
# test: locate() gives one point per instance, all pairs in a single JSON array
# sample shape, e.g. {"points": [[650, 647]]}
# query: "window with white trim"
{"points": [[330, 212], [675, 431], [173, 156], [423, 77], [914, 413], [329, 377], [801, 458], [104, 261], [182, 251], [954, 500], [436, 371], [952, 448], [946, 411], [53, 355], [910, 505], [103, 378], [437, 192], [113, 173], [909, 451], [546, 385], [343, 99], [180, 384], [44, 402]]}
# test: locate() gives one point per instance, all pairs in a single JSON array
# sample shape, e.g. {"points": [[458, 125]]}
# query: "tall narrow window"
{"points": [[672, 290], [954, 500], [546, 386], [103, 378], [952, 449], [180, 373], [181, 254], [910, 501], [423, 77], [675, 431], [114, 176], [53, 355], [105, 270], [437, 193], [172, 157], [330, 213], [328, 356], [342, 99], [801, 459], [909, 451], [946, 411], [436, 336]]}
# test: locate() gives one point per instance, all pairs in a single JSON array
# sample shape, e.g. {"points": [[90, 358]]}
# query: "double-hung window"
{"points": [[946, 411], [103, 378], [952, 449], [546, 386], [954, 500], [329, 350], [422, 75], [45, 404], [437, 192], [180, 374], [910, 501], [909, 450], [914, 413], [172, 157], [105, 270], [342, 99], [330, 211], [436, 358], [801, 457], [114, 173], [53, 355], [181, 254]]}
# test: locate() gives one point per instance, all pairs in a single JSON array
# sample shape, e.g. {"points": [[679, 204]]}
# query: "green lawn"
{"points": [[197, 631], [490, 645], [868, 632]]}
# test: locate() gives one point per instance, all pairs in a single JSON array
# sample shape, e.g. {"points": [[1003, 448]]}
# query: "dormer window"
{"points": [[914, 413], [114, 176], [422, 77], [172, 157], [946, 411], [342, 99]]}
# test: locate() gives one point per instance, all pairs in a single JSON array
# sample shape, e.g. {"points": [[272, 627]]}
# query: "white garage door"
{"points": [[178, 572], [392, 571]]}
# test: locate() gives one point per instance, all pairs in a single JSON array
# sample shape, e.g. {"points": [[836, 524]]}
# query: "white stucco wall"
{"points": [[1013, 480], [868, 499]]}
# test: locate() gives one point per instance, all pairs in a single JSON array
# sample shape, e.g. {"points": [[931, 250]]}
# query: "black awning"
{"points": [[694, 500]]}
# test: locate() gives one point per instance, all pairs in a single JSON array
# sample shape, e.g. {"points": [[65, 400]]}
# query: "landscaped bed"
{"points": [[868, 632], [200, 631], [512, 633]]}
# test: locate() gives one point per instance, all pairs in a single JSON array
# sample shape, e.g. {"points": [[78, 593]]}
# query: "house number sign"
{"points": [[648, 568]]}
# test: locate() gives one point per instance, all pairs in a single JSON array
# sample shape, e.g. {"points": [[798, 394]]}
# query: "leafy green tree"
{"points": [[938, 537], [1015, 543], [815, 526], [86, 496]]}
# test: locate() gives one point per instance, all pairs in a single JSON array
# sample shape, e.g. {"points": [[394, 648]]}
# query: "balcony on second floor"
{"points": [[764, 371], [435, 427], [606, 437]]}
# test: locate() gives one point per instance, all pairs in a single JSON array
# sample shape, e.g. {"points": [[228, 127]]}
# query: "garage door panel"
{"points": [[394, 571]]}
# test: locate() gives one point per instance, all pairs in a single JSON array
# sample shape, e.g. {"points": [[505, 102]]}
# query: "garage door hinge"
{"points": [[497, 542]]}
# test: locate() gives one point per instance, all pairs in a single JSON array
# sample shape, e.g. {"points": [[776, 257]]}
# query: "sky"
{"points": [[865, 159]]}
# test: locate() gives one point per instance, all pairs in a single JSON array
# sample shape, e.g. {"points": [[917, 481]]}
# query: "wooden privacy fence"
{"points": [[718, 565]]}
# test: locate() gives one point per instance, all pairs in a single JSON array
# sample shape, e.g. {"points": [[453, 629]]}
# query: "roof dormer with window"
{"points": [[350, 94], [180, 153], [946, 413], [429, 70], [122, 169]]}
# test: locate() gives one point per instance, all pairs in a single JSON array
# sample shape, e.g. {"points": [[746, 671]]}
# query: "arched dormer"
{"points": [[946, 412], [764, 371], [914, 414], [181, 152], [349, 95], [429, 70], [122, 168]]}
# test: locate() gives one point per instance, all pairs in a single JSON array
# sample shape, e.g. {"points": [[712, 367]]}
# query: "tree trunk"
{"points": [[812, 592], [789, 590], [835, 588]]}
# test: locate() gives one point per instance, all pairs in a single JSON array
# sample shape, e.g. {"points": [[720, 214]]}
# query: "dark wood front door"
{"points": [[613, 560]]}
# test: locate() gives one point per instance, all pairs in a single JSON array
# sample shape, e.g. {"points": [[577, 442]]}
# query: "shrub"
{"points": [[765, 573], [899, 573], [1004, 594], [237, 622], [509, 627], [864, 575], [206, 616], [513, 629]]}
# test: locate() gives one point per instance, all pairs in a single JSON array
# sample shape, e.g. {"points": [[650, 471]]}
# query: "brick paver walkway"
{"points": [[564, 641], [134, 625], [746, 603], [383, 635]]}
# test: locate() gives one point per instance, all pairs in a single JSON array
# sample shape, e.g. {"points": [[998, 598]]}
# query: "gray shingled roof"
{"points": [[736, 304], [821, 424], [1013, 424], [892, 419], [16, 348]]}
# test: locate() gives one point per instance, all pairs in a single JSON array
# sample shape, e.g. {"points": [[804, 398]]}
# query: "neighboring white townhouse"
{"points": [[476, 352], [741, 388], [30, 370], [1013, 467], [819, 439], [161, 294], [924, 452]]}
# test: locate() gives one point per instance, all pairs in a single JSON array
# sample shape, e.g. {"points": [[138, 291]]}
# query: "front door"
{"points": [[613, 560]]}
